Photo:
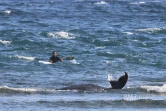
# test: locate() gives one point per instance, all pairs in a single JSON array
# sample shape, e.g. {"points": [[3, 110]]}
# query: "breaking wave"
{"points": [[159, 89]]}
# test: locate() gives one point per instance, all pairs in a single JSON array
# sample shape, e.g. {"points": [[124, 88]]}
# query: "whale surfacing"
{"points": [[119, 84]]}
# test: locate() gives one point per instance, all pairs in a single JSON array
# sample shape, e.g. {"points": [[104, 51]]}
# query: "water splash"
{"points": [[110, 77], [61, 34]]}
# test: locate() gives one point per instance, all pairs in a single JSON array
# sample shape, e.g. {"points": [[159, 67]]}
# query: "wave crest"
{"points": [[152, 30], [24, 57], [159, 89]]}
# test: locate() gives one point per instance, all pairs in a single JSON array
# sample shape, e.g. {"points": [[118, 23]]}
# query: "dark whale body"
{"points": [[119, 84]]}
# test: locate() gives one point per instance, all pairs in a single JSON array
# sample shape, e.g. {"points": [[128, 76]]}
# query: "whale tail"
{"points": [[120, 83]]}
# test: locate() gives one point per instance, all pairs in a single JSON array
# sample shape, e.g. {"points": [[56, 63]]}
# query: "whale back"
{"points": [[84, 87]]}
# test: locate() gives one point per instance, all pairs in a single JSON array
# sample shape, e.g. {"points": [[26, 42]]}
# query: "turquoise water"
{"points": [[105, 37]]}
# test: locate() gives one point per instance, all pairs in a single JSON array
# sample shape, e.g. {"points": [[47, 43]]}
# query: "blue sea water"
{"points": [[106, 38]]}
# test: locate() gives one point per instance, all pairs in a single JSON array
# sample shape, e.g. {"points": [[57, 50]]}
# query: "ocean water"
{"points": [[106, 38]]}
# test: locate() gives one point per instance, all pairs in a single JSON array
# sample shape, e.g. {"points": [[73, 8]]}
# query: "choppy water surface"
{"points": [[105, 37]]}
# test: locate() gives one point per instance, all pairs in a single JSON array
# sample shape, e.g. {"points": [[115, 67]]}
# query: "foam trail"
{"points": [[160, 89], [5, 42], [24, 57]]}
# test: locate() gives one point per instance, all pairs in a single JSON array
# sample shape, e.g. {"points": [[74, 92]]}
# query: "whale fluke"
{"points": [[120, 83]]}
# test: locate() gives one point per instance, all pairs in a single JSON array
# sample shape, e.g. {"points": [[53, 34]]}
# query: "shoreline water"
{"points": [[104, 37]]}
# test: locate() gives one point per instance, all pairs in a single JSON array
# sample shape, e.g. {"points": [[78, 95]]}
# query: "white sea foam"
{"points": [[102, 2], [151, 30], [108, 62], [74, 61], [45, 62], [109, 52], [24, 57], [141, 2], [129, 33], [137, 3], [160, 89], [6, 11], [27, 90], [5, 42], [61, 34]]}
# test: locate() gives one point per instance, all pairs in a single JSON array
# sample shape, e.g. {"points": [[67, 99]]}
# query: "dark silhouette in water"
{"points": [[119, 84]]}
